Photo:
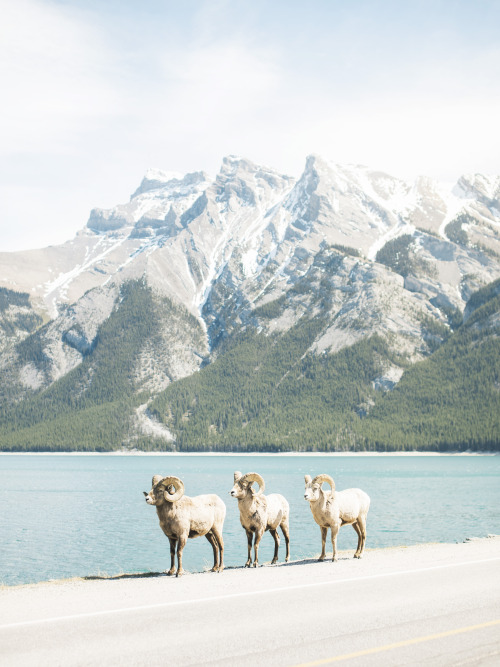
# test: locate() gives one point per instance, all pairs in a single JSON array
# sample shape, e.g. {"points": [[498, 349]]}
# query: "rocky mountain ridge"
{"points": [[255, 248]]}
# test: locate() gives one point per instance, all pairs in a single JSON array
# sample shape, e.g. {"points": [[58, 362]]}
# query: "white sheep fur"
{"points": [[259, 513], [333, 509], [182, 517]]}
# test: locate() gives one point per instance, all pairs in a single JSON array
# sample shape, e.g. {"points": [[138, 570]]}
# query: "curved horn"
{"points": [[254, 477], [156, 479], [319, 479], [179, 488]]}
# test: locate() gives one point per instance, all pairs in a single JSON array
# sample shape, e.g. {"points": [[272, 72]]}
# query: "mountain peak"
{"points": [[486, 186], [234, 164], [155, 179], [154, 174], [315, 162]]}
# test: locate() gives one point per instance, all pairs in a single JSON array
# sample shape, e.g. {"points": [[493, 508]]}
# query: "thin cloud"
{"points": [[55, 69], [95, 94]]}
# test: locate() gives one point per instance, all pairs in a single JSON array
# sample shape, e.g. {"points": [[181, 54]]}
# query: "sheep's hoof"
{"points": [[321, 559], [274, 561], [287, 559], [334, 559], [171, 572], [248, 563], [256, 564], [221, 567], [179, 573], [215, 568]]}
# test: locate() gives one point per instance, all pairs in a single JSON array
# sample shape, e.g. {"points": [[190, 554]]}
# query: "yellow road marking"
{"points": [[407, 642]]}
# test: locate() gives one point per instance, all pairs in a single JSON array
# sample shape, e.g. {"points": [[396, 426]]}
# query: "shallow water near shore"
{"points": [[76, 515]]}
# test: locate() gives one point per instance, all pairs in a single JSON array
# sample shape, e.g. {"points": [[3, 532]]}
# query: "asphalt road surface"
{"points": [[426, 605]]}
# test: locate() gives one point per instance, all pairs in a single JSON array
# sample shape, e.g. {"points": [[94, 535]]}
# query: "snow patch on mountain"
{"points": [[57, 289], [30, 377], [454, 206], [222, 246], [145, 423]]}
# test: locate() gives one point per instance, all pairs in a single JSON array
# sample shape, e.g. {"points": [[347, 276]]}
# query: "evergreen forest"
{"points": [[270, 393]]}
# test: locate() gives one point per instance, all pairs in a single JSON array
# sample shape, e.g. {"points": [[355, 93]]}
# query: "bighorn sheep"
{"points": [[259, 513], [182, 517], [337, 508]]}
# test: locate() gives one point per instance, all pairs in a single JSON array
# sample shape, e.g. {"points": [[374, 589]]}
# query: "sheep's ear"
{"points": [[308, 479], [237, 475], [156, 479]]}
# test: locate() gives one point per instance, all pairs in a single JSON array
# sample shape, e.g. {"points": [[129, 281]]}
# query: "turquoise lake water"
{"points": [[77, 515]]}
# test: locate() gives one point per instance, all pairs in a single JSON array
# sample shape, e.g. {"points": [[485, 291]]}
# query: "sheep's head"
{"points": [[243, 484], [164, 488], [313, 486]]}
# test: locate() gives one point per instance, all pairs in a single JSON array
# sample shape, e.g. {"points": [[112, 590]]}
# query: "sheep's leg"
{"points": [[362, 527], [324, 531], [286, 534], [172, 556], [276, 537], [360, 539], [258, 537], [220, 542], [180, 547], [211, 538], [335, 530], [250, 539]]}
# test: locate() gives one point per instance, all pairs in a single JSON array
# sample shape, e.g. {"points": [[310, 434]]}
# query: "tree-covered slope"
{"points": [[452, 399], [270, 394], [271, 391], [16, 314], [90, 408]]}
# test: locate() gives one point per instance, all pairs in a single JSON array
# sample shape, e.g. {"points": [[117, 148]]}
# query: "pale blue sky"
{"points": [[95, 92]]}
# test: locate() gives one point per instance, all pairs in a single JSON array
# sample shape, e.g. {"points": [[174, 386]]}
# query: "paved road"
{"points": [[433, 605]]}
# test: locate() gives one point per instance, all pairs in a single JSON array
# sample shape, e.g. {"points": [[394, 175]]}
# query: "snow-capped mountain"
{"points": [[182, 230], [222, 248]]}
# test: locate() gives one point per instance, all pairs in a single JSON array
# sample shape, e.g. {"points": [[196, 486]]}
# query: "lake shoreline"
{"points": [[431, 549]]}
